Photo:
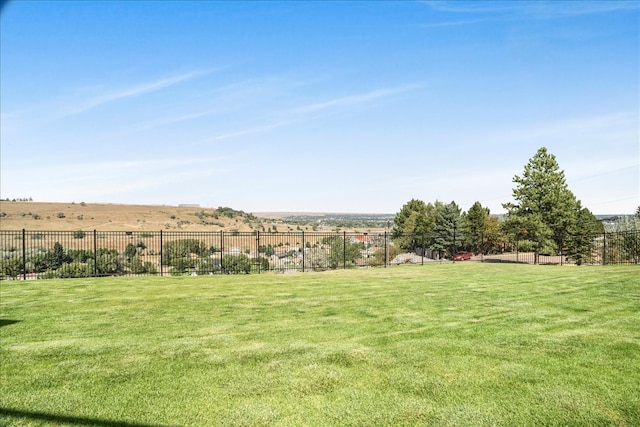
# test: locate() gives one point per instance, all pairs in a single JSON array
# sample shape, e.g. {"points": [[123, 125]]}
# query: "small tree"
{"points": [[316, 259], [56, 257], [343, 253], [580, 242], [130, 251]]}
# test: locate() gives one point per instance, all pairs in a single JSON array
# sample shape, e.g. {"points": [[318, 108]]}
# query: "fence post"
{"points": [[161, 271], [303, 251], [453, 252], [481, 247], [604, 248], [95, 253], [344, 250], [24, 254], [258, 251], [221, 250], [386, 250]]}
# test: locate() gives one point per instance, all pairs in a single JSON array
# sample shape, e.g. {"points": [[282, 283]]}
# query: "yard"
{"points": [[462, 344]]}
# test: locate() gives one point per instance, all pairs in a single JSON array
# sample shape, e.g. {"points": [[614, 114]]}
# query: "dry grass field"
{"points": [[116, 217], [55, 216]]}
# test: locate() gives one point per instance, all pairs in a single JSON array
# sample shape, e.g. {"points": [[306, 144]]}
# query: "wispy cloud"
{"points": [[249, 131], [133, 91], [472, 7], [623, 124], [313, 111], [235, 96], [176, 119], [559, 9], [455, 23], [353, 100], [531, 9]]}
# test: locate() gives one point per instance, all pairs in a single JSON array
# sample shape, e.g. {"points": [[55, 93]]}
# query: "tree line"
{"points": [[545, 216]]}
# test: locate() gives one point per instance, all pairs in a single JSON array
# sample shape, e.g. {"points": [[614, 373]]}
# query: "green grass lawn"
{"points": [[444, 345]]}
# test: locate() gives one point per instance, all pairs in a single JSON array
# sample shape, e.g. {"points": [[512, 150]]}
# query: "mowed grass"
{"points": [[444, 345]]}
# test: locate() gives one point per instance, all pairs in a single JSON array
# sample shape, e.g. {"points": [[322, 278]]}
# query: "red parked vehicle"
{"points": [[462, 256]]}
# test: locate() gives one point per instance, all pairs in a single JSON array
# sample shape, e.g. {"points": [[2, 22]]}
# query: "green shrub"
{"points": [[378, 257], [137, 266], [108, 262], [183, 265], [80, 255], [316, 259], [175, 250], [263, 263], [236, 264], [11, 267], [130, 251], [74, 269], [207, 266]]}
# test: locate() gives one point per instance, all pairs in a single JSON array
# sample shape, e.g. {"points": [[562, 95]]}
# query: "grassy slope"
{"points": [[44, 216], [111, 217], [453, 344]]}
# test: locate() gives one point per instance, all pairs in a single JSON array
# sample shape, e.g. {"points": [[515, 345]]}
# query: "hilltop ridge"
{"points": [[57, 216]]}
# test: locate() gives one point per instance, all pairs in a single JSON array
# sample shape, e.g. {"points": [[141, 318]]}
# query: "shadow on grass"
{"points": [[503, 261], [7, 322], [69, 419]]}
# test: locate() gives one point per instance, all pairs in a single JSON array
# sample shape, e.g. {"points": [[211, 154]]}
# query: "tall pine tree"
{"points": [[447, 230], [545, 210], [475, 223]]}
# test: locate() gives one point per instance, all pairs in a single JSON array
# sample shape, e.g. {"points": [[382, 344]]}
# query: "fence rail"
{"points": [[52, 254]]}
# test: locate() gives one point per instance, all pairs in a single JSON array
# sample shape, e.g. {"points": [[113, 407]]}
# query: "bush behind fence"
{"points": [[48, 254]]}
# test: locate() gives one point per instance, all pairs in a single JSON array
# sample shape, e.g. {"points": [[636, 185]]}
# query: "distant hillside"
{"points": [[113, 217], [16, 215]]}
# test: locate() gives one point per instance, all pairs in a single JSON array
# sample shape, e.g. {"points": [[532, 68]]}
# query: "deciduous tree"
{"points": [[415, 220]]}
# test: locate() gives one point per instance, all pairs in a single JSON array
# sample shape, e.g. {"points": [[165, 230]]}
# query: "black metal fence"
{"points": [[56, 254]]}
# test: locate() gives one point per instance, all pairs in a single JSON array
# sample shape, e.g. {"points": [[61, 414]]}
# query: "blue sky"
{"points": [[317, 106]]}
